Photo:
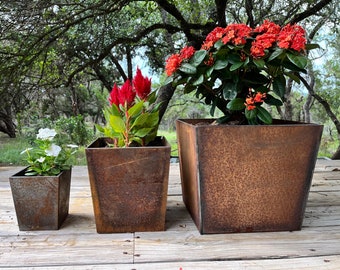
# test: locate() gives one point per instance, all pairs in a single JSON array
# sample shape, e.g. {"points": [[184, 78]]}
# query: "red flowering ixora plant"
{"points": [[238, 69], [132, 117]]}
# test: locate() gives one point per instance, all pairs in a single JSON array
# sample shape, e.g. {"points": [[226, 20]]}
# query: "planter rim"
{"points": [[165, 143], [20, 174], [204, 122]]}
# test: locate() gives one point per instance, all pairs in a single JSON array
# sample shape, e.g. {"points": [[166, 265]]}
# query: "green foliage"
{"points": [[73, 130], [237, 77], [135, 124]]}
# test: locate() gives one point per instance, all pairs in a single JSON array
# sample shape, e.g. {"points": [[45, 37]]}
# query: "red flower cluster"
{"points": [[125, 96], [214, 36], [289, 37], [142, 85], [292, 36], [237, 34], [175, 60], [268, 33], [254, 98], [266, 36]]}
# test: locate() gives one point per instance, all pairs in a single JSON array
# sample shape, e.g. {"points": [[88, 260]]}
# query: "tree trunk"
{"points": [[164, 96], [7, 126], [306, 108], [336, 155], [288, 107]]}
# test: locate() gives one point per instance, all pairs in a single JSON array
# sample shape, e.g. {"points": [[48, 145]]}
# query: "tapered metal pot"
{"points": [[41, 202], [129, 186], [247, 178]]}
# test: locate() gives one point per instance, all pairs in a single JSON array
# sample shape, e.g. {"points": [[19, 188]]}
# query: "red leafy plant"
{"points": [[238, 69], [132, 116]]}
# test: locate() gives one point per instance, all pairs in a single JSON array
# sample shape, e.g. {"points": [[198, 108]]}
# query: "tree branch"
{"points": [[309, 12], [323, 102]]}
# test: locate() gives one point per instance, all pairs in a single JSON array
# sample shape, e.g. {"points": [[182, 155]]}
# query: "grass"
{"points": [[172, 140], [10, 149]]}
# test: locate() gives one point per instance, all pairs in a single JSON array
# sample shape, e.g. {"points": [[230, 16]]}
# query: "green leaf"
{"points": [[229, 90], [220, 64], [99, 128], [250, 114], [114, 110], [236, 104], [198, 57], [136, 109], [312, 46], [236, 66], [270, 100], [142, 132], [275, 54], [293, 76], [188, 68], [218, 44], [168, 80], [297, 60], [117, 123], [260, 63], [210, 71], [199, 81], [279, 86], [140, 120], [254, 79], [264, 115]]}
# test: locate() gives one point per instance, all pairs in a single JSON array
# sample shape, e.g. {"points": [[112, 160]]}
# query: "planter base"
{"points": [[41, 202], [247, 178]]}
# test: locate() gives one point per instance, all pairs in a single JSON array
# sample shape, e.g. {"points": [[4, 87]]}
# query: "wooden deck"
{"points": [[77, 245]]}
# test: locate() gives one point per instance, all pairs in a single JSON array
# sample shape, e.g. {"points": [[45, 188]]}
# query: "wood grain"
{"points": [[77, 245]]}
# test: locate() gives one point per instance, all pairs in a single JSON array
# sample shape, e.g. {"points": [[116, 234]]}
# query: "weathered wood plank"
{"points": [[77, 245], [61, 249], [312, 263], [184, 246]]}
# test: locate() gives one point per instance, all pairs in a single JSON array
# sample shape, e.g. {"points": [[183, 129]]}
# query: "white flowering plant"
{"points": [[47, 158]]}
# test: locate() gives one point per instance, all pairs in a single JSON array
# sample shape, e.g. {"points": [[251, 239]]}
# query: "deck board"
{"points": [[77, 245]]}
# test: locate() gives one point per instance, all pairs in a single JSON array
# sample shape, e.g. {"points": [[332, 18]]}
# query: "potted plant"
{"points": [[129, 167], [41, 191], [245, 171]]}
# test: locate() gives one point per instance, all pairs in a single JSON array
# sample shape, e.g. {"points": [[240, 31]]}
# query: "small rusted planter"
{"points": [[41, 202], [247, 178], [129, 186]]}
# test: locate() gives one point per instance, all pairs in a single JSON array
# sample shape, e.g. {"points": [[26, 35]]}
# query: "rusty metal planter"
{"points": [[247, 178], [41, 202], [129, 186]]}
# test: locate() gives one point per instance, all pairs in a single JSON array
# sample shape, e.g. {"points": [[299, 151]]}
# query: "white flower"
{"points": [[53, 151], [46, 134], [72, 145], [41, 159], [26, 150]]}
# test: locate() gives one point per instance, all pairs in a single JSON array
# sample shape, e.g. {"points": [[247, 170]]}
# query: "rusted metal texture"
{"points": [[129, 186], [41, 202], [247, 178]]}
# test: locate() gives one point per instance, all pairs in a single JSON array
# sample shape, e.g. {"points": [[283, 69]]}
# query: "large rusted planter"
{"points": [[129, 186], [247, 178], [41, 202]]}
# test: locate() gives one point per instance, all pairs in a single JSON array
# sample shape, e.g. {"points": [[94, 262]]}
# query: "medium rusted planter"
{"points": [[129, 186], [41, 202], [247, 178]]}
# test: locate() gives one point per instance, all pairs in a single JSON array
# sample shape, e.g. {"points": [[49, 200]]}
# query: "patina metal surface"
{"points": [[129, 186], [41, 202], [247, 178]]}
